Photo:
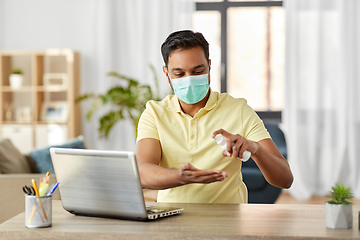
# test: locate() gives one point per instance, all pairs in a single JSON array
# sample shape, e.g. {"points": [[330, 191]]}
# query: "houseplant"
{"points": [[16, 78], [128, 102], [339, 209]]}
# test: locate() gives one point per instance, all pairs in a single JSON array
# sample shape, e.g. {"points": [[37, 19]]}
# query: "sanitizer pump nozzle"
{"points": [[222, 142]]}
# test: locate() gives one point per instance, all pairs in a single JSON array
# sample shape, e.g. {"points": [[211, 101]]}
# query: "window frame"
{"points": [[222, 7]]}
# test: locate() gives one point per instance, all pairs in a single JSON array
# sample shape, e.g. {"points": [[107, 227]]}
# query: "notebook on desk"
{"points": [[102, 184]]}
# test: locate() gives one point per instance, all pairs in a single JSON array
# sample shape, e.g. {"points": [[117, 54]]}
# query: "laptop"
{"points": [[102, 184]]}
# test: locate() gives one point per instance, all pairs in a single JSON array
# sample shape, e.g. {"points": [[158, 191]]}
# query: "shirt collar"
{"points": [[174, 104], [212, 101]]}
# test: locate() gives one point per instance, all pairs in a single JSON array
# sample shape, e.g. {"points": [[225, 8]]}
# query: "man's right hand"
{"points": [[190, 174]]}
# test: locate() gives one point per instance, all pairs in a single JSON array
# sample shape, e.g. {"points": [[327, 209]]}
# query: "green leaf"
{"points": [[93, 108], [83, 97], [340, 194], [17, 71], [108, 121]]}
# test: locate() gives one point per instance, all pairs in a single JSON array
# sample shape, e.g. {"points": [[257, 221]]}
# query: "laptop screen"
{"points": [[97, 182]]}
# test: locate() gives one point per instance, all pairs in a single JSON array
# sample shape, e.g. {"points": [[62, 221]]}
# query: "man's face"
{"points": [[186, 62]]}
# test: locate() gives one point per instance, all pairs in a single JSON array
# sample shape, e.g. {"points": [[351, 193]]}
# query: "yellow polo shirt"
{"points": [[186, 139]]}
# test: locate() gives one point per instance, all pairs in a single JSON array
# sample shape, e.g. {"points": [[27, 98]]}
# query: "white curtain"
{"points": [[111, 35], [322, 114]]}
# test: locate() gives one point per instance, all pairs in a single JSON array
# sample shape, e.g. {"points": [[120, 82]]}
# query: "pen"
{"points": [[47, 177], [37, 194], [53, 189], [44, 180], [44, 185]]}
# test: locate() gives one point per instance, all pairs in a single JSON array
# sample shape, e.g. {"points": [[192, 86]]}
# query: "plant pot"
{"points": [[339, 216], [16, 81]]}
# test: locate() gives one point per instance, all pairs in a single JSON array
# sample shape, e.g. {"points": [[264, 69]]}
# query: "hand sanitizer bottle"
{"points": [[222, 142]]}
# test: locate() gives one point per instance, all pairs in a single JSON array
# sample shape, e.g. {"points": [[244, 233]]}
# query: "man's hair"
{"points": [[184, 39]]}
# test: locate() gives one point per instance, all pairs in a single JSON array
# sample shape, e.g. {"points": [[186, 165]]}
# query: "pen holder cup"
{"points": [[38, 211]]}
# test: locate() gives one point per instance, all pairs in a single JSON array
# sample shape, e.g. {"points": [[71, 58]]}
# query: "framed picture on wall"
{"points": [[55, 111]]}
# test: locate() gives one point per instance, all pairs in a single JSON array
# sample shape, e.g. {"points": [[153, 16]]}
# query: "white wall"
{"points": [[44, 24]]}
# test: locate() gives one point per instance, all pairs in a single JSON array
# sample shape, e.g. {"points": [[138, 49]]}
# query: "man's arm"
{"points": [[153, 176], [272, 164], [266, 155]]}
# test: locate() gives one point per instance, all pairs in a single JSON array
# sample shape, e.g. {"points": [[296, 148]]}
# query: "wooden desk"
{"points": [[198, 221]]}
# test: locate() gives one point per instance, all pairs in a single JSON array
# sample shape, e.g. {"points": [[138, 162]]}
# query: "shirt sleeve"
{"points": [[147, 127], [253, 126]]}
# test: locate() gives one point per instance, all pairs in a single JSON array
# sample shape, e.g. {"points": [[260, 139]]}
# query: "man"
{"points": [[176, 152]]}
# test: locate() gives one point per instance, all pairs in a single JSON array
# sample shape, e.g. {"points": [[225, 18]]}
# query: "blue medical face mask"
{"points": [[191, 89]]}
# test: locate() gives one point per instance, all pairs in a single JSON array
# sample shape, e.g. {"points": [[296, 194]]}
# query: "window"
{"points": [[247, 49]]}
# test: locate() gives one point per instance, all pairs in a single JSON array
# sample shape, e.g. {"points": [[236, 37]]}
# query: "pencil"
{"points": [[37, 194], [35, 187], [32, 214]]}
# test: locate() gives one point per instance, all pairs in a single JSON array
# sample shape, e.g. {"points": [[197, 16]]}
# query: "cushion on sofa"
{"points": [[42, 157], [11, 160], [32, 163]]}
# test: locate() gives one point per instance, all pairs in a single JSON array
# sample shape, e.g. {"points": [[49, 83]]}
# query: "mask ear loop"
{"points": [[168, 74], [169, 79]]}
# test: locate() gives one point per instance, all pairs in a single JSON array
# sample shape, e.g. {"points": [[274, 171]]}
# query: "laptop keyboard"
{"points": [[153, 210]]}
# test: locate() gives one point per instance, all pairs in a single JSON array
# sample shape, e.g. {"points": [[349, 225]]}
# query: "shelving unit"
{"points": [[42, 111]]}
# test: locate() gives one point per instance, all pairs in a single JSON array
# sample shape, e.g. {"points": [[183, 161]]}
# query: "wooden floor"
{"points": [[286, 198]]}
